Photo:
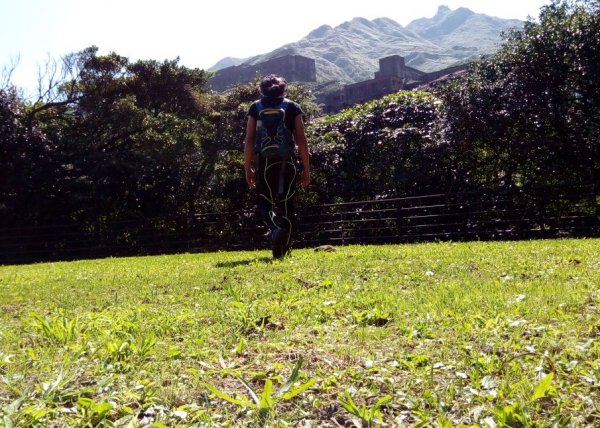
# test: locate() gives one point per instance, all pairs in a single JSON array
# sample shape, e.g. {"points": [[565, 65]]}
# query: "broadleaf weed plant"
{"points": [[265, 401], [363, 415]]}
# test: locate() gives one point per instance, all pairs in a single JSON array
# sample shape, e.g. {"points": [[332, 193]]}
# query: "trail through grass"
{"points": [[440, 334]]}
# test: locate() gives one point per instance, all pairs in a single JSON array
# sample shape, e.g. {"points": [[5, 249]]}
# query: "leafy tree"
{"points": [[130, 136], [118, 141], [28, 161], [530, 114]]}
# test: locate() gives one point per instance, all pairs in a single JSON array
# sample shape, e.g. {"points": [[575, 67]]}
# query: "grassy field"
{"points": [[440, 334]]}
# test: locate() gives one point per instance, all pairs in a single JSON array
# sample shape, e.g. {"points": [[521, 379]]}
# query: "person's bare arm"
{"points": [[300, 139], [249, 152]]}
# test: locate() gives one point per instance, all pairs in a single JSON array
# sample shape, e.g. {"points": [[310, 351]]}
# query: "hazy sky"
{"points": [[198, 32]]}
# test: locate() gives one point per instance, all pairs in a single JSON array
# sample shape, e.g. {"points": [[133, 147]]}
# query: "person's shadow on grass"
{"points": [[235, 263]]}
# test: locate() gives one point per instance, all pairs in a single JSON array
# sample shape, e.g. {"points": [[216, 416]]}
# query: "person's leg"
{"points": [[276, 186], [284, 202], [265, 186]]}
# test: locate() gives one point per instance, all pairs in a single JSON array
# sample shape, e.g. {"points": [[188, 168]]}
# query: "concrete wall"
{"points": [[295, 68], [393, 75]]}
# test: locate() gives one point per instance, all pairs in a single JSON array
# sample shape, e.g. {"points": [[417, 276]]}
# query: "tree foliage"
{"points": [[124, 141], [28, 166], [527, 116], [530, 114], [113, 141]]}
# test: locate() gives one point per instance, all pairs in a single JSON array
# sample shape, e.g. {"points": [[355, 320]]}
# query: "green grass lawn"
{"points": [[440, 334]]}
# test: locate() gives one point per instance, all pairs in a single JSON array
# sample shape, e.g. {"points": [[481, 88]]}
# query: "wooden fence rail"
{"points": [[459, 216], [547, 212]]}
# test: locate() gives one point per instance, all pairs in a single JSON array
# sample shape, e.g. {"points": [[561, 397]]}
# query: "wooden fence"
{"points": [[489, 215], [548, 212]]}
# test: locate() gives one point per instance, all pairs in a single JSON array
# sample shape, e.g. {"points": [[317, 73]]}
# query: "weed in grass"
{"points": [[60, 330], [264, 402], [510, 416], [364, 415], [373, 317], [94, 414]]}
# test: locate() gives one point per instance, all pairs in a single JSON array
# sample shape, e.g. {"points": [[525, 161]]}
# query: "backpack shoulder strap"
{"points": [[259, 106]]}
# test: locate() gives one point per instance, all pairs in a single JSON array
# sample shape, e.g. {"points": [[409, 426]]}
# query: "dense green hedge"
{"points": [[386, 147], [119, 141]]}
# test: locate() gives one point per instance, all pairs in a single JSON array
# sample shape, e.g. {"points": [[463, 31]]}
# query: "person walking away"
{"points": [[275, 139]]}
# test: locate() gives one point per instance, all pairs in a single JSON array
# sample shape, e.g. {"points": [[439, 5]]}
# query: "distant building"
{"points": [[393, 75], [295, 68]]}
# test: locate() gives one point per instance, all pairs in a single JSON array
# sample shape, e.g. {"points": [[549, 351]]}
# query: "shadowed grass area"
{"points": [[443, 334]]}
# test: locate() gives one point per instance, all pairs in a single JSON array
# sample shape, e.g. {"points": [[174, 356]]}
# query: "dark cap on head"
{"points": [[273, 86]]}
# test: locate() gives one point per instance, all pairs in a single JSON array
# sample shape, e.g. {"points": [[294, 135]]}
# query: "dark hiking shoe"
{"points": [[279, 243]]}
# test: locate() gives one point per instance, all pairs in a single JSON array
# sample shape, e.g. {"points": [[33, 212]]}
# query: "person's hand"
{"points": [[251, 178], [305, 178]]}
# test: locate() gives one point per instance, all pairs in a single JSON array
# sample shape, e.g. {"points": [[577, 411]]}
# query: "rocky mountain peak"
{"points": [[442, 10], [350, 52], [320, 32]]}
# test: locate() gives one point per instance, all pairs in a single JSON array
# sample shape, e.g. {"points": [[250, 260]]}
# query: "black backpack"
{"points": [[273, 139]]}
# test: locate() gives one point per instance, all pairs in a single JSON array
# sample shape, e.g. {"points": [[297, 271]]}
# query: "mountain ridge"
{"points": [[350, 52]]}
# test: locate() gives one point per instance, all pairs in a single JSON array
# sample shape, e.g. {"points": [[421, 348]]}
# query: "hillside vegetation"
{"points": [[350, 52], [478, 334]]}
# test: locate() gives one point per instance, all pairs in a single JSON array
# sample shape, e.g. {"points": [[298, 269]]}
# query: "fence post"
{"points": [[342, 227]]}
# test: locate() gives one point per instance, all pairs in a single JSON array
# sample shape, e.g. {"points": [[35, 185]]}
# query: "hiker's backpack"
{"points": [[273, 139]]}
